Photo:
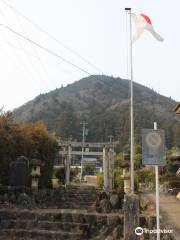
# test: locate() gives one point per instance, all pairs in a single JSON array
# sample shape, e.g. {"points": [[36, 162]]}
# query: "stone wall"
{"points": [[24, 198]]}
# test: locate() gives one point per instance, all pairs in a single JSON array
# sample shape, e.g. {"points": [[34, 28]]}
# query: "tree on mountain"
{"points": [[17, 139], [104, 102], [66, 122]]}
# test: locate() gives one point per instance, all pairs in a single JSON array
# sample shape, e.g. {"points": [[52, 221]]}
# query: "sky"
{"points": [[97, 31]]}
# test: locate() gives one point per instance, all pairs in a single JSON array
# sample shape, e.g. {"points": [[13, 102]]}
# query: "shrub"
{"points": [[144, 175], [174, 184], [26, 139], [60, 174], [88, 169], [100, 180], [118, 181], [74, 174]]}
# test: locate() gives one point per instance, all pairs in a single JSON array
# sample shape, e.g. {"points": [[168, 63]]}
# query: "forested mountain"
{"points": [[103, 102]]}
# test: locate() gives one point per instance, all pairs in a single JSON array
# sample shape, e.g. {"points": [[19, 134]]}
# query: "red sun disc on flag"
{"points": [[148, 20]]}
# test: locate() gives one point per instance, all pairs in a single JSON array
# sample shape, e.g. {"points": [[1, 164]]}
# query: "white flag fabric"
{"points": [[143, 22]]}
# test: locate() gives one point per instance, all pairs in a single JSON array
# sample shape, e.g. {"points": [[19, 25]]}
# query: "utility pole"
{"points": [[111, 161], [110, 138], [83, 140]]}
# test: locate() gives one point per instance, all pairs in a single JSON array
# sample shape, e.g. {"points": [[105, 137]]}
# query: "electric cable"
{"points": [[38, 57], [44, 48], [52, 37], [27, 63]]}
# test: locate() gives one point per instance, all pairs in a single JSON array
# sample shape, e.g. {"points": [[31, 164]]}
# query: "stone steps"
{"points": [[74, 205], [81, 187], [81, 190], [78, 197], [88, 193], [45, 225], [61, 215], [17, 234], [55, 215], [53, 224], [78, 194], [42, 225], [70, 222]]}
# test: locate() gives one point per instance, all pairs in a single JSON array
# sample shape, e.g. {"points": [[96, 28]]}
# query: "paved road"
{"points": [[169, 210]]}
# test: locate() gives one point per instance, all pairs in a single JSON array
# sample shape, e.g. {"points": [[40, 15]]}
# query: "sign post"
{"points": [[153, 154]]}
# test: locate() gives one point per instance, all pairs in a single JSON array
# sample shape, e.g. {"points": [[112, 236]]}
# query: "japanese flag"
{"points": [[141, 23]]}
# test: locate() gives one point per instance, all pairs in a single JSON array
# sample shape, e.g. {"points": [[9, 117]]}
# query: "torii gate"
{"points": [[68, 148]]}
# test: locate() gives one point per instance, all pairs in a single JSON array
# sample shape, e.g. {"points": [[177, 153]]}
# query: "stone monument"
{"points": [[19, 176]]}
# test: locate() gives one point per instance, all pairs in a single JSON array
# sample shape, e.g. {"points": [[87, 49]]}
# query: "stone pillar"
{"points": [[105, 169], [67, 165], [131, 216], [110, 160]]}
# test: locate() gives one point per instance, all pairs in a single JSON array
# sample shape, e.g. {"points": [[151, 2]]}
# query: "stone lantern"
{"points": [[175, 159], [126, 175], [35, 173]]}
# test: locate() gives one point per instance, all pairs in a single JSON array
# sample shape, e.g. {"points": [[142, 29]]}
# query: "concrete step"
{"points": [[77, 199], [81, 190], [17, 234], [53, 224], [57, 215], [80, 207], [45, 225], [74, 193], [78, 193], [82, 187], [75, 206]]}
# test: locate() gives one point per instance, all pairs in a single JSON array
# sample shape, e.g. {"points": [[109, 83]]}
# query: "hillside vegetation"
{"points": [[30, 140], [103, 102]]}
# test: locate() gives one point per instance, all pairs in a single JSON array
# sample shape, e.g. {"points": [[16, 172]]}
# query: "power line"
{"points": [[36, 53], [52, 37], [55, 39], [28, 63], [31, 55], [51, 52], [18, 48], [44, 48]]}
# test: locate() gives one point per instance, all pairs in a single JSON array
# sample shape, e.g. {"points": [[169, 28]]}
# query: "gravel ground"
{"points": [[169, 211]]}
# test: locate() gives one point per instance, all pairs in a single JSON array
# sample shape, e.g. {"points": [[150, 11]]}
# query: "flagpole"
{"points": [[128, 10], [157, 193]]}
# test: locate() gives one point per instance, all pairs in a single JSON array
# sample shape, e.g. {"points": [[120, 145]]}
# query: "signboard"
{"points": [[153, 147]]}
